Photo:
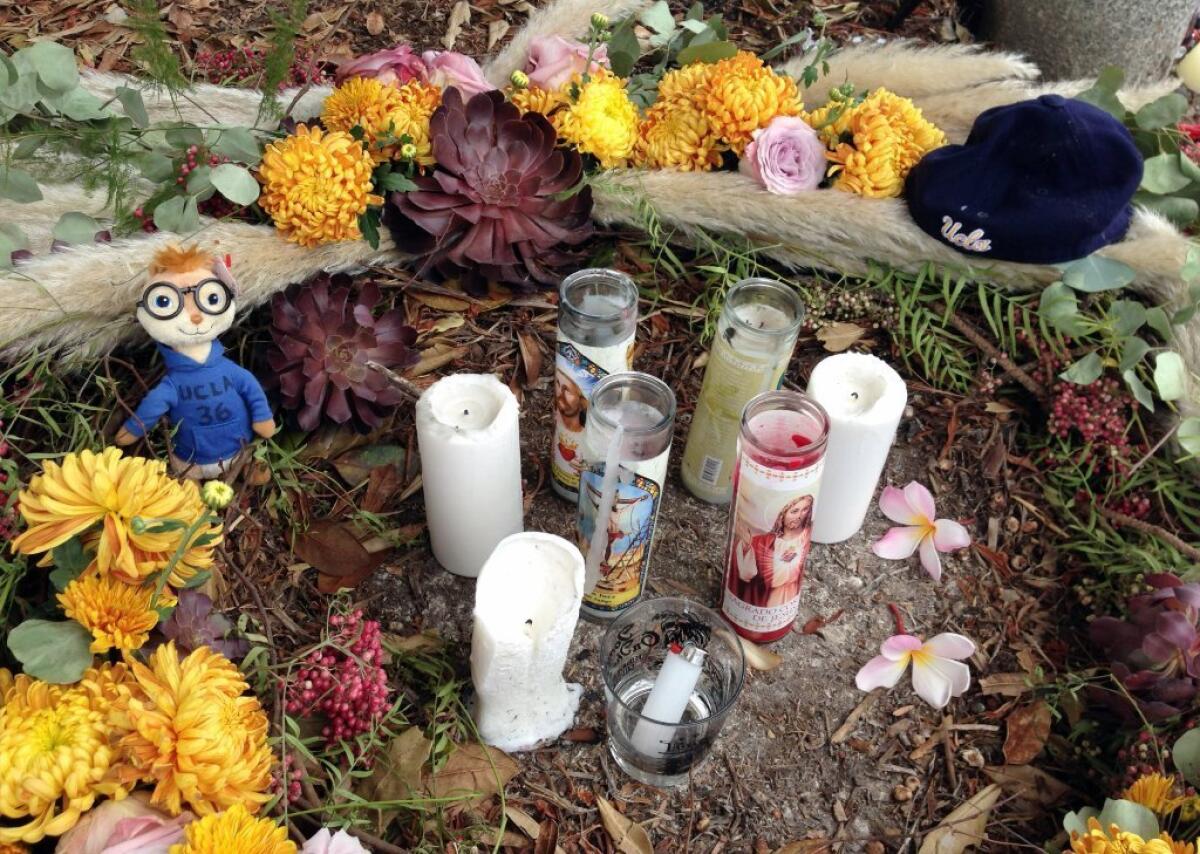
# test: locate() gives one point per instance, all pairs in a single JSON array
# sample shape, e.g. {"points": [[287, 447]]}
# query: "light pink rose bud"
{"points": [[393, 67], [128, 826], [323, 842], [447, 68], [553, 61], [786, 156]]}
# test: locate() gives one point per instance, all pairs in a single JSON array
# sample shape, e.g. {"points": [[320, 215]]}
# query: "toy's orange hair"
{"points": [[181, 259]]}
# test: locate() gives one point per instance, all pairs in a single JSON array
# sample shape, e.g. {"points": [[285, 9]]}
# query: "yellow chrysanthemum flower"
{"points": [[384, 113], [194, 733], [56, 758], [1117, 841], [13, 848], [316, 185], [889, 136], [117, 614], [689, 83], [537, 100], [601, 121], [99, 496], [742, 95], [6, 684], [676, 135], [1156, 792], [234, 830]]}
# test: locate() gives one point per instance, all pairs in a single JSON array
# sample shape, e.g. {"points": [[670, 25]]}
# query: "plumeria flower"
{"points": [[938, 671], [913, 508]]}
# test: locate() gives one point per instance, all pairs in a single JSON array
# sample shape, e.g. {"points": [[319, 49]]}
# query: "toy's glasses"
{"points": [[162, 300]]}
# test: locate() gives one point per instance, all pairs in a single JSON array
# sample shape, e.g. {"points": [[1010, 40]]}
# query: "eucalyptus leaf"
{"points": [[55, 652], [1188, 435], [177, 214], [1186, 756], [623, 49], [182, 136], [1060, 308], [711, 52], [134, 106], [1130, 817], [11, 239], [76, 227], [155, 167], [659, 18], [28, 145], [1164, 112], [235, 183], [1084, 371], [1162, 174], [1095, 273], [694, 26], [18, 185], [1103, 93], [1156, 318], [11, 73], [54, 63], [1128, 315], [1180, 210], [199, 180], [1189, 167], [1170, 375], [1138, 389], [238, 144], [1077, 822], [1191, 265], [1133, 350]]}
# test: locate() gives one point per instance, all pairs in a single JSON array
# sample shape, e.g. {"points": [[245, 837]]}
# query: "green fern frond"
{"points": [[155, 54]]}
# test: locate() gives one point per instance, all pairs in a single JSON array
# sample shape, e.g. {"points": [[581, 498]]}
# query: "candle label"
{"points": [[731, 379], [577, 369], [629, 529], [771, 540]]}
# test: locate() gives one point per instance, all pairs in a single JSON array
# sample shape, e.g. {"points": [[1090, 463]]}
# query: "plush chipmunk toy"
{"points": [[215, 406]]}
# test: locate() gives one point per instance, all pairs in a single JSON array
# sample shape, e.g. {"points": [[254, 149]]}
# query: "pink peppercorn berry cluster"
{"points": [[350, 690], [288, 774], [215, 205], [1142, 757], [246, 64]]}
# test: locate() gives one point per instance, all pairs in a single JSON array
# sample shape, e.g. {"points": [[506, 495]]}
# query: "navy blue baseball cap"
{"points": [[1037, 182]]}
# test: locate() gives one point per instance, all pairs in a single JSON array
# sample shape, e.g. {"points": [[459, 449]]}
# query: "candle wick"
{"points": [[854, 395], [529, 622], [468, 412]]}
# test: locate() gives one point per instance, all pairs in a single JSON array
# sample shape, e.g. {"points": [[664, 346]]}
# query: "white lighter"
{"points": [[668, 699]]}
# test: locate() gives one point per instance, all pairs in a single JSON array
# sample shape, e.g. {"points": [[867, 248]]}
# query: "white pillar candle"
{"points": [[865, 398], [668, 700], [470, 468], [526, 606]]}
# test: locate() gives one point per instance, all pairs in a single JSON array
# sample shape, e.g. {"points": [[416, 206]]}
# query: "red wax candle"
{"points": [[781, 452]]}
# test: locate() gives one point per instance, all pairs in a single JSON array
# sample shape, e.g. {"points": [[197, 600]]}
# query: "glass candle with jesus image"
{"points": [[781, 454]]}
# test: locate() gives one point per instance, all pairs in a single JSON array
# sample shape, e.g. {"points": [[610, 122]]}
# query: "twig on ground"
{"points": [[993, 352], [405, 385], [948, 746], [1126, 521], [843, 732]]}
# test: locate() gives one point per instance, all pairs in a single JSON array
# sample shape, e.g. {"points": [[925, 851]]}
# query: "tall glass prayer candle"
{"points": [[597, 320], [756, 334], [625, 452], [780, 457]]}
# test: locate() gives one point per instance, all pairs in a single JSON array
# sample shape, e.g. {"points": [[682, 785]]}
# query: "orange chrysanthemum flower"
{"points": [[742, 95], [533, 99], [385, 114], [117, 614], [1156, 792], [1116, 841], [194, 734], [676, 135], [316, 185], [99, 496], [689, 83]]}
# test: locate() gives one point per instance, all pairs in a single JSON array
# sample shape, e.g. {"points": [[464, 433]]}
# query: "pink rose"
{"points": [[786, 156], [553, 61], [128, 826], [393, 67], [447, 68], [323, 842]]}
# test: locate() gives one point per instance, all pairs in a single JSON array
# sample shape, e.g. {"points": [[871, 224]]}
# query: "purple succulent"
{"points": [[194, 624], [499, 205], [1155, 652]]}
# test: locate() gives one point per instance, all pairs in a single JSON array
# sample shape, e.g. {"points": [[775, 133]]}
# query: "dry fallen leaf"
{"points": [[447, 323], [628, 836], [473, 768], [459, 15], [375, 23], [436, 357], [964, 827], [758, 657], [806, 846], [839, 336], [1008, 684], [334, 549], [1029, 783], [398, 772], [496, 31], [424, 642], [355, 466], [1028, 729], [531, 357]]}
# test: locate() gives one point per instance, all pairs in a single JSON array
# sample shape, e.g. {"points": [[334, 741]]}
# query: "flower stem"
{"points": [[180, 550], [898, 617]]}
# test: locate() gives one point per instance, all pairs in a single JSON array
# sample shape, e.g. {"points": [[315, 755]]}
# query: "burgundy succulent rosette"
{"points": [[497, 205], [323, 341]]}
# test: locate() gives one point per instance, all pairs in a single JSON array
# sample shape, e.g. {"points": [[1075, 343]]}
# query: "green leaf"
{"points": [[198, 579], [238, 144], [368, 224], [711, 52], [1138, 389], [1132, 351], [1157, 319], [1164, 112], [1180, 210], [178, 214], [1186, 756], [1060, 308], [1191, 265], [659, 18], [27, 146], [55, 652], [795, 38], [55, 65], [1095, 273], [1128, 316], [70, 560], [1103, 93], [397, 182], [10, 72], [18, 185], [199, 180], [1077, 822], [623, 49], [1130, 817], [79, 105], [235, 183], [1170, 375], [134, 106], [11, 239], [1084, 371], [155, 167], [1188, 435], [76, 227], [182, 136], [1162, 174]]}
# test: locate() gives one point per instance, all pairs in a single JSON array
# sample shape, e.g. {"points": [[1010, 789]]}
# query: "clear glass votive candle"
{"points": [[597, 321], [626, 446], [780, 457], [756, 334], [697, 693]]}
